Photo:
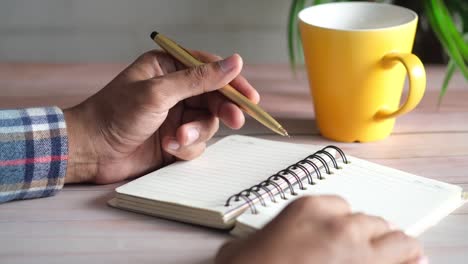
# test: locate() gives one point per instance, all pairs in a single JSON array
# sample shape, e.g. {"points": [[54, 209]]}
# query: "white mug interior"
{"points": [[357, 16]]}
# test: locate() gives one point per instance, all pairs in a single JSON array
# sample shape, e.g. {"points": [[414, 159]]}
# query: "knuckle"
{"points": [[198, 75], [336, 226], [306, 204], [335, 201], [340, 201], [400, 235], [344, 227], [404, 238], [144, 56], [360, 218], [201, 71], [381, 221], [148, 56], [360, 215]]}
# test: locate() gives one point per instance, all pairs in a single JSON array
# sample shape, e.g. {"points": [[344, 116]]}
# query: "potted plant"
{"points": [[448, 20]]}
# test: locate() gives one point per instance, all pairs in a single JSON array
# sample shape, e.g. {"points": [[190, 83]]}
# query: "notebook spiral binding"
{"points": [[280, 175]]}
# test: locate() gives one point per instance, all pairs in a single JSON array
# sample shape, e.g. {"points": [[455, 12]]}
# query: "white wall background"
{"points": [[118, 30]]}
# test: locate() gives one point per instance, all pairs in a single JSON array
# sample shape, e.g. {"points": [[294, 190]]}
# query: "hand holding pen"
{"points": [[184, 57], [154, 112]]}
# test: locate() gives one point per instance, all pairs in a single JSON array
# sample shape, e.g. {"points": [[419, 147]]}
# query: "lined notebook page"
{"points": [[410, 202], [232, 164]]}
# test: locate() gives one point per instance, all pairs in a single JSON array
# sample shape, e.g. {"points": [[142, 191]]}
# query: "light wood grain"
{"points": [[77, 226]]}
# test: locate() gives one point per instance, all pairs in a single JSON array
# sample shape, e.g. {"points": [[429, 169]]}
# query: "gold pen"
{"points": [[184, 57]]}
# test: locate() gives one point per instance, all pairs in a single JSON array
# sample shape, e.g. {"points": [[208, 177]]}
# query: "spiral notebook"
{"points": [[244, 182]]}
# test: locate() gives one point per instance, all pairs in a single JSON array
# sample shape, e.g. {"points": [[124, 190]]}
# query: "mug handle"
{"points": [[417, 83]]}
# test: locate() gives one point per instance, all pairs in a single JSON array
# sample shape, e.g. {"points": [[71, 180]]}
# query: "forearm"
{"points": [[33, 153]]}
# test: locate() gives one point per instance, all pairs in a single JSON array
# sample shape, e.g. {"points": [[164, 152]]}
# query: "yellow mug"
{"points": [[357, 54]]}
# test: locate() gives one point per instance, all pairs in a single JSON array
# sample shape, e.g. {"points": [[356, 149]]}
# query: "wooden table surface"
{"points": [[76, 226]]}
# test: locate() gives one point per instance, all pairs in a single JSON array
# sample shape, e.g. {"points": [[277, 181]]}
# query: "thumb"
{"points": [[181, 85]]}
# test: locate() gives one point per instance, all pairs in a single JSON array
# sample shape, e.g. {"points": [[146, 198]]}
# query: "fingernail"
{"points": [[227, 64], [423, 260], [173, 145], [192, 135]]}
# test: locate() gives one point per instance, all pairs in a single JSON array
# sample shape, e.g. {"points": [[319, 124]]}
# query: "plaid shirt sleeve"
{"points": [[33, 153]]}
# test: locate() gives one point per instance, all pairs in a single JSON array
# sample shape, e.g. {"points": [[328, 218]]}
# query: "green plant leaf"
{"points": [[300, 56], [459, 9], [291, 29], [451, 67], [453, 31], [440, 23], [294, 37]]}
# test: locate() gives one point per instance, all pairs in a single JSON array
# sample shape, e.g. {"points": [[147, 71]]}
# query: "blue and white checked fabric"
{"points": [[33, 152]]}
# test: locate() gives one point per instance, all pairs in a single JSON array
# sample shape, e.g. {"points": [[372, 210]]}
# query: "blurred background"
{"points": [[118, 30]]}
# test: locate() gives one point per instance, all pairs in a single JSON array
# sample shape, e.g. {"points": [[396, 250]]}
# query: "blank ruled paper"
{"points": [[227, 167], [196, 191]]}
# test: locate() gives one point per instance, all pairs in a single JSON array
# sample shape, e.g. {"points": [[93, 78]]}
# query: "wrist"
{"points": [[82, 157]]}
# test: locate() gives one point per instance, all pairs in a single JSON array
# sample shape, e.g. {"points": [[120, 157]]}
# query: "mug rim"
{"points": [[414, 17]]}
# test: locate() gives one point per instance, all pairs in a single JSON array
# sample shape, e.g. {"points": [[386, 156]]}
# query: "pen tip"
{"points": [[284, 132], [154, 34]]}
